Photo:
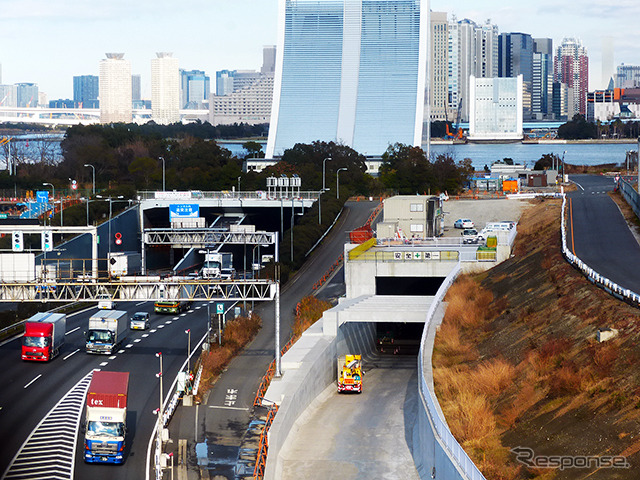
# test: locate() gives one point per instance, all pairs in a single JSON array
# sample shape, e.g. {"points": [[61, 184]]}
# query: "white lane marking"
{"points": [[129, 346], [198, 308], [145, 335], [183, 314], [112, 357], [121, 351], [168, 322], [176, 318], [72, 353], [579, 186], [71, 331], [153, 331], [104, 364], [228, 408], [32, 381], [160, 326], [141, 303], [137, 340]]}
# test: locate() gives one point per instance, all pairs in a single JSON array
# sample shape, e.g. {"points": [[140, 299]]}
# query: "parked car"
{"points": [[463, 223], [470, 235], [139, 321]]}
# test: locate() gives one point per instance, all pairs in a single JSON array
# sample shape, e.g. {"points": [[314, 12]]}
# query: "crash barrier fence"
{"points": [[439, 426], [263, 445], [601, 281], [327, 275], [266, 379], [18, 327], [170, 404]]}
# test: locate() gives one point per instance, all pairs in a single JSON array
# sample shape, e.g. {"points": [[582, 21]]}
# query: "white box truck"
{"points": [[124, 263], [215, 263], [107, 329]]}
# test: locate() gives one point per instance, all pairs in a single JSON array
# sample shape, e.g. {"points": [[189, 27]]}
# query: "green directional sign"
{"points": [[219, 307]]}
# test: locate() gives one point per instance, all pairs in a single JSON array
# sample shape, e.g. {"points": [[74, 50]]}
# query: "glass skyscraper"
{"points": [[85, 91], [350, 71]]}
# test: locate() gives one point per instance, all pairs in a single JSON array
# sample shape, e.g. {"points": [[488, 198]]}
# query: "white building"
{"points": [[438, 79], [473, 50], [251, 104], [165, 89], [495, 109], [115, 89]]}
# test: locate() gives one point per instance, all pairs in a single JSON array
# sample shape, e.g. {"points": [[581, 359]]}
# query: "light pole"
{"points": [[163, 170], [562, 168], [161, 409], [338, 181], [53, 197], [323, 170], [94, 177], [239, 185], [188, 332], [110, 200]]}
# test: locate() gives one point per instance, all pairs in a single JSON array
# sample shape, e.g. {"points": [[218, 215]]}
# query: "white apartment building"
{"points": [[165, 89], [438, 78], [495, 109], [251, 104], [473, 50], [115, 89]]}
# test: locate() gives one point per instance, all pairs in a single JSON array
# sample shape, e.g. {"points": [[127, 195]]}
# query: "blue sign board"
{"points": [[42, 196], [186, 210]]}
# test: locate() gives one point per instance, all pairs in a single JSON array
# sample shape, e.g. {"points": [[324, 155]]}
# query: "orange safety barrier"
{"points": [[266, 379], [263, 445]]}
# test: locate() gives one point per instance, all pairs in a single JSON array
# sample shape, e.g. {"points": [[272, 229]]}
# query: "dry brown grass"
{"points": [[308, 311]]}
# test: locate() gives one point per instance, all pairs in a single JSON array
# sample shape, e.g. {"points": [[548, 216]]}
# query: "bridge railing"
{"points": [[274, 194], [428, 398]]}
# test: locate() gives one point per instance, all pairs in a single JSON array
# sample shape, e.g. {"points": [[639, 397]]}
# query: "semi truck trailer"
{"points": [[43, 336], [105, 424]]}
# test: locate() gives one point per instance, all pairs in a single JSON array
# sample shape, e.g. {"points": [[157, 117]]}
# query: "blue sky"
{"points": [[50, 41]]}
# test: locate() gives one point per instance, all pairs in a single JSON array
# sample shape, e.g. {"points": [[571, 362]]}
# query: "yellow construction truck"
{"points": [[350, 373]]}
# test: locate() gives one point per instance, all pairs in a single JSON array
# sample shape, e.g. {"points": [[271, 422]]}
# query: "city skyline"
{"points": [[51, 42]]}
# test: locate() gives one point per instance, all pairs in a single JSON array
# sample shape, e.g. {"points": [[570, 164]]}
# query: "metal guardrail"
{"points": [[440, 428], [603, 282]]}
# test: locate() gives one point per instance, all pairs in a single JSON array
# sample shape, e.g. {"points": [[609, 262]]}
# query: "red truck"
{"points": [[43, 336]]}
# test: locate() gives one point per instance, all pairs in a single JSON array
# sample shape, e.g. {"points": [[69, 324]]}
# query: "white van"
{"points": [[498, 226]]}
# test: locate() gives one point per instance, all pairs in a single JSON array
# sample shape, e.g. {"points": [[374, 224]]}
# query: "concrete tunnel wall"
{"points": [[311, 378]]}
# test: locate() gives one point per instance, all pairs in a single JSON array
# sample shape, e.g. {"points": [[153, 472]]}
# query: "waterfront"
{"points": [[34, 148]]}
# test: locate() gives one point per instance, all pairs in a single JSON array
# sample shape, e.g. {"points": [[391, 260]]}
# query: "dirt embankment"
{"points": [[517, 365]]}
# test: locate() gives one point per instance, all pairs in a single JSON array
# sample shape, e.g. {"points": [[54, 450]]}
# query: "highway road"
{"points": [[229, 406], [31, 389], [598, 233]]}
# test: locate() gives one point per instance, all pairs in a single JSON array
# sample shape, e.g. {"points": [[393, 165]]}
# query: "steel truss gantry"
{"points": [[245, 290], [202, 237]]}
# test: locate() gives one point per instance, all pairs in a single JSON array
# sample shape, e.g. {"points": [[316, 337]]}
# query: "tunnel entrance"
{"points": [[398, 338], [408, 285]]}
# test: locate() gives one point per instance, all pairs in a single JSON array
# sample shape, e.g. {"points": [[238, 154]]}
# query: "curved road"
{"points": [[598, 233]]}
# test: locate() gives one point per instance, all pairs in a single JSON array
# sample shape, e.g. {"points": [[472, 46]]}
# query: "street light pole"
{"points": [[239, 185], [188, 332], [323, 170], [94, 178], [338, 181]]}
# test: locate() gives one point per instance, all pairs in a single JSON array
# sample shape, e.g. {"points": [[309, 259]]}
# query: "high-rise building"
{"points": [[473, 50], [165, 88], [348, 71], [607, 71], [194, 89], [542, 83], [27, 95], [495, 108], [224, 82], [115, 89], [268, 60], [628, 76], [571, 67], [85, 91], [515, 53], [250, 105], [136, 88], [563, 101], [8, 96], [438, 67]]}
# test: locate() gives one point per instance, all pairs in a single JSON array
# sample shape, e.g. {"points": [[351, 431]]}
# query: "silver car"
{"points": [[139, 321]]}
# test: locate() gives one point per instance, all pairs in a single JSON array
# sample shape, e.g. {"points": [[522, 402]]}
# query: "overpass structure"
{"points": [[85, 116]]}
